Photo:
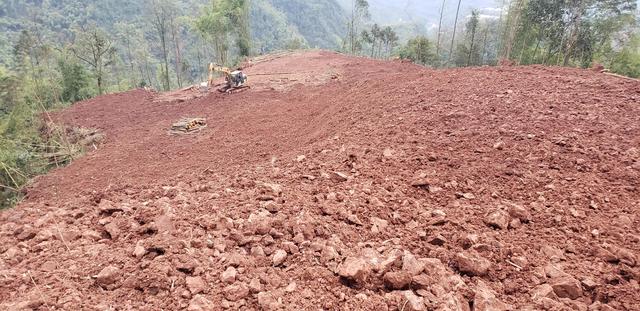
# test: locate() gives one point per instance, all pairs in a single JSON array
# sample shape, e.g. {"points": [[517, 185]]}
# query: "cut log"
{"points": [[188, 125]]}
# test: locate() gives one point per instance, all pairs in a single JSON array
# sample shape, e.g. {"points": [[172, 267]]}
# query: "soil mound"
{"points": [[342, 183]]}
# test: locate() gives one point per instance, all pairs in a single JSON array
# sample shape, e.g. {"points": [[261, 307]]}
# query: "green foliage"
{"points": [[381, 40], [275, 33], [75, 81], [94, 47], [359, 14], [296, 44], [9, 88], [322, 23], [568, 32], [627, 61], [18, 161], [468, 52], [419, 50], [214, 25]]}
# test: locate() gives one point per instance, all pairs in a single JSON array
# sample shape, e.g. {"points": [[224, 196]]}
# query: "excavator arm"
{"points": [[213, 68]]}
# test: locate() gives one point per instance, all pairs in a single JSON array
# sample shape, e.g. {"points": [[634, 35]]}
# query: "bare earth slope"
{"points": [[343, 184]]}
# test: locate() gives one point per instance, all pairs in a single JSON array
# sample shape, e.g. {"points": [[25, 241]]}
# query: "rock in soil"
{"points": [[472, 264], [498, 219], [485, 299], [108, 276], [411, 264], [566, 287], [279, 257], [229, 275], [236, 291], [354, 270], [412, 301], [196, 285], [397, 280], [200, 303], [268, 302]]}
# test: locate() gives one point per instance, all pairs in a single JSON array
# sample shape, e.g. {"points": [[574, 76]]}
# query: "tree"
{"points": [[455, 26], [571, 32], [175, 37], [161, 15], [440, 28], [93, 47], [513, 22], [359, 12], [213, 25], [368, 38], [23, 47], [127, 34], [627, 61], [9, 91], [239, 17], [222, 19], [75, 81], [419, 51], [376, 36], [472, 28], [390, 39]]}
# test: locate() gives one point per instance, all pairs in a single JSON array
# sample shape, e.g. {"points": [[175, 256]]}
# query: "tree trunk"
{"points": [[99, 80], [440, 29], [161, 27], [200, 65], [484, 45], [473, 36], [453, 37], [352, 30], [513, 27], [175, 35], [535, 51], [574, 36], [141, 76], [501, 30], [373, 48], [167, 83]]}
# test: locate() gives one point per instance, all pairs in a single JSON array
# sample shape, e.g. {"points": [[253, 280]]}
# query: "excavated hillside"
{"points": [[342, 183]]}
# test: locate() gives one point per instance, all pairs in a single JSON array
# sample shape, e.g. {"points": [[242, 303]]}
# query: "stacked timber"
{"points": [[188, 125]]}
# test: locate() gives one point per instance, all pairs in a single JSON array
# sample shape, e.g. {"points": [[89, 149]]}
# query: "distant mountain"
{"points": [[421, 11], [275, 24], [425, 12]]}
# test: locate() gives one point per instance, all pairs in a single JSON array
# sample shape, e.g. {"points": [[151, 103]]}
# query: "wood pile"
{"points": [[188, 125]]}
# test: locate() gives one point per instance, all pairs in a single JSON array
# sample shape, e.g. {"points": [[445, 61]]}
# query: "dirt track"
{"points": [[352, 185]]}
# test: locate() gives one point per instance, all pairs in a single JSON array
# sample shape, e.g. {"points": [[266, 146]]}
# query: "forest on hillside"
{"points": [[56, 52]]}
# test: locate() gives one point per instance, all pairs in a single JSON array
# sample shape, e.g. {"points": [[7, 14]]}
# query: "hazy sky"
{"points": [[423, 11], [426, 12]]}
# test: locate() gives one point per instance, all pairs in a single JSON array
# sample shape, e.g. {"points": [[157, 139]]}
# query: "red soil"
{"points": [[505, 188]]}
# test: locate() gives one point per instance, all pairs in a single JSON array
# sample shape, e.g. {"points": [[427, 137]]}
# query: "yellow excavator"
{"points": [[234, 80]]}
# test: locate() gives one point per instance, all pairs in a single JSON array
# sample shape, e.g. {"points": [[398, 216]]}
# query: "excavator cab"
{"points": [[238, 78], [233, 79]]}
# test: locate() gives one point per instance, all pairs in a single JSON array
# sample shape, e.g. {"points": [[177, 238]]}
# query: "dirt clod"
{"points": [[108, 276], [200, 303], [498, 219], [236, 291], [279, 257], [472, 264], [196, 285], [355, 270], [397, 280], [566, 287]]}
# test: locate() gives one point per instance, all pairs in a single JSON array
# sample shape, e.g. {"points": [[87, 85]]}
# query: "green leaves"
{"points": [[572, 33], [419, 50]]}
